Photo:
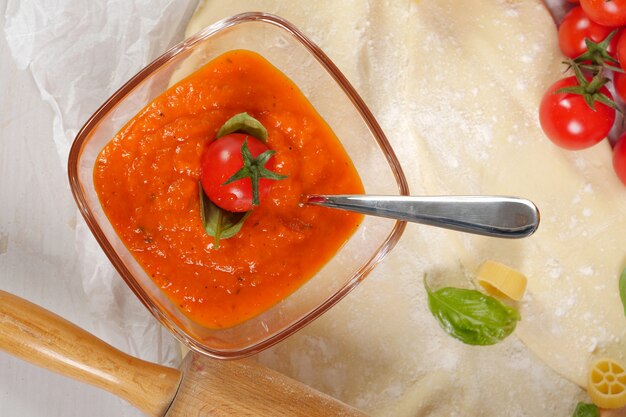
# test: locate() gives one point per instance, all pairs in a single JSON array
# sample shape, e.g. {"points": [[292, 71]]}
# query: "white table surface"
{"points": [[37, 217]]}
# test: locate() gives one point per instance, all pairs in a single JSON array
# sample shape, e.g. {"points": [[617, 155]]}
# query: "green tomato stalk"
{"points": [[254, 168]]}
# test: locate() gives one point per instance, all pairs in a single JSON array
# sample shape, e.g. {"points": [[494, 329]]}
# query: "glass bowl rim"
{"points": [[145, 72]]}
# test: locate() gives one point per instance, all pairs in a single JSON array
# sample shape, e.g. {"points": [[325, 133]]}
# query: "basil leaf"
{"points": [[217, 222], [622, 289], [244, 123], [586, 410], [471, 316]]}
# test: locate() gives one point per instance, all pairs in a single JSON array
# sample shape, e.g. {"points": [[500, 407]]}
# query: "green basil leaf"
{"points": [[471, 316], [244, 123], [622, 289], [586, 410], [217, 222]]}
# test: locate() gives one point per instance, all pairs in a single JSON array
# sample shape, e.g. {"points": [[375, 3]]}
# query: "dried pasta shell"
{"points": [[497, 279], [606, 383]]}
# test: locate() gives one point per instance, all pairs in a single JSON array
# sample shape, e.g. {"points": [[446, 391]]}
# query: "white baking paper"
{"points": [[79, 52]]}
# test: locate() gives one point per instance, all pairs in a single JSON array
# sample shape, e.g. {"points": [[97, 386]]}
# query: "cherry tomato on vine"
{"points": [[223, 158], [619, 84], [621, 49], [568, 121], [619, 158], [606, 12], [576, 27]]}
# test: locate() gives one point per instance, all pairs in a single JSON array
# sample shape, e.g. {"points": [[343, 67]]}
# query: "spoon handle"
{"points": [[507, 217]]}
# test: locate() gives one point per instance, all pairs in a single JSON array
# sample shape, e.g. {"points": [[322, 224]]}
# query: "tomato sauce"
{"points": [[147, 182]]}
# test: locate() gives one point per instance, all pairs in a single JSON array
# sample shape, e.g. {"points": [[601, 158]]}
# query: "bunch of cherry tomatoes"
{"points": [[579, 111]]}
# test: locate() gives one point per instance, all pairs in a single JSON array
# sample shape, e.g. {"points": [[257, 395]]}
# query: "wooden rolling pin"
{"points": [[202, 387]]}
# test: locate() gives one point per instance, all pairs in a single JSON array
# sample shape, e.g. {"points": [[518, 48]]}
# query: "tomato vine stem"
{"points": [[254, 168]]}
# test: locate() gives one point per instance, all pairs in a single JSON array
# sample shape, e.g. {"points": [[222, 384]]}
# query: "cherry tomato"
{"points": [[576, 27], [223, 158], [619, 158], [619, 83], [569, 122], [620, 53], [606, 12]]}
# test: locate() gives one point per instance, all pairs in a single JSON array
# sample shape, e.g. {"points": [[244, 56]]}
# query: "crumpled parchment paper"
{"points": [[80, 52]]}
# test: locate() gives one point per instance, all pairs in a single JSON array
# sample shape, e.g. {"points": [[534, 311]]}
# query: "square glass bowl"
{"points": [[334, 99]]}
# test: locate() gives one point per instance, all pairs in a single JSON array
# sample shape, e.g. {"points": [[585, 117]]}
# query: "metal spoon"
{"points": [[507, 217]]}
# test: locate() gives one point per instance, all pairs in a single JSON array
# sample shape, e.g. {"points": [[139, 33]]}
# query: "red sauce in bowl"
{"points": [[147, 182]]}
